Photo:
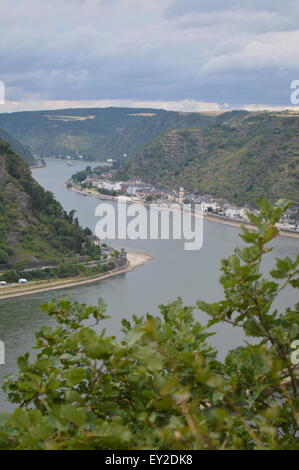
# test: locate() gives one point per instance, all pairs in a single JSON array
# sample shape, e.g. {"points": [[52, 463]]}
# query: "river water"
{"points": [[173, 272]]}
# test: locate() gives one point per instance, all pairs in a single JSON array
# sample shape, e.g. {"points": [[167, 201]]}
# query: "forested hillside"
{"points": [[19, 148], [33, 225], [95, 133], [239, 159], [236, 155]]}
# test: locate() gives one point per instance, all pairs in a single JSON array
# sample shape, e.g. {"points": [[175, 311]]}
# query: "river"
{"points": [[173, 272]]}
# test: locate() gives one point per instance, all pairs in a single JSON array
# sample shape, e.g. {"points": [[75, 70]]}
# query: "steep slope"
{"points": [[97, 133], [33, 225], [18, 147], [239, 159]]}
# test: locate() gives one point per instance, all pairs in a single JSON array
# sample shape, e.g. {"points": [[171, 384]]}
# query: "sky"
{"points": [[187, 55]]}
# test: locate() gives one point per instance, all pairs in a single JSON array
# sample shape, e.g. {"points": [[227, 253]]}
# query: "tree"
{"points": [[161, 386]]}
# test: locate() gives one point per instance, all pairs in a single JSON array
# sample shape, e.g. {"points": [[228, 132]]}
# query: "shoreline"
{"points": [[38, 167], [236, 223], [72, 160], [135, 260], [211, 218]]}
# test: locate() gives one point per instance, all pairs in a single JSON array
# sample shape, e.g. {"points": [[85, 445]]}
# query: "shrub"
{"points": [[161, 386]]}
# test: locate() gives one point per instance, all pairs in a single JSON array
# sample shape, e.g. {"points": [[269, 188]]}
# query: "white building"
{"points": [[109, 186], [133, 189], [205, 206], [181, 195], [233, 212]]}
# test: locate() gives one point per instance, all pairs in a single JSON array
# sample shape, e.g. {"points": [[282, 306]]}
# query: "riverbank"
{"points": [[39, 166], [135, 260], [211, 218], [236, 223], [72, 160]]}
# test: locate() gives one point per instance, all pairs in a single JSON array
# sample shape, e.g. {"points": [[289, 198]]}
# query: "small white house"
{"points": [[205, 206], [22, 281], [233, 212], [110, 186]]}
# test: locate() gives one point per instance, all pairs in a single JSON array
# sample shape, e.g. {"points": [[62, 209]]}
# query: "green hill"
{"points": [[239, 157], [236, 155], [19, 148], [33, 225], [95, 133]]}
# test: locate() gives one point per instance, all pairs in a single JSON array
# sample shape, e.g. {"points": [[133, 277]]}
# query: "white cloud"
{"points": [[185, 105], [265, 107], [161, 50], [279, 50]]}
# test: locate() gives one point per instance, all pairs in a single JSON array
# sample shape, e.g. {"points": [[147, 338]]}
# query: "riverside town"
{"points": [[102, 184]]}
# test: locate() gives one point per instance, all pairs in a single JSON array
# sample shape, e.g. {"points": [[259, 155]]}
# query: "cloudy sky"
{"points": [[176, 54]]}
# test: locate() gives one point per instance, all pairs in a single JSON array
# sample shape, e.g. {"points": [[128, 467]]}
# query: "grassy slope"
{"points": [[239, 159]]}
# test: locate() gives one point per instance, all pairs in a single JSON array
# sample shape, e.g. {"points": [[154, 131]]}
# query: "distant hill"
{"points": [[33, 225], [19, 148], [238, 157], [96, 133]]}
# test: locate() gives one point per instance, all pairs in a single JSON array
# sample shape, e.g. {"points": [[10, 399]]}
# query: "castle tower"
{"points": [[123, 256], [181, 196]]}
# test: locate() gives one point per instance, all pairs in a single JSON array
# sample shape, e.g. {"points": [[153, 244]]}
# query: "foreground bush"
{"points": [[162, 386]]}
